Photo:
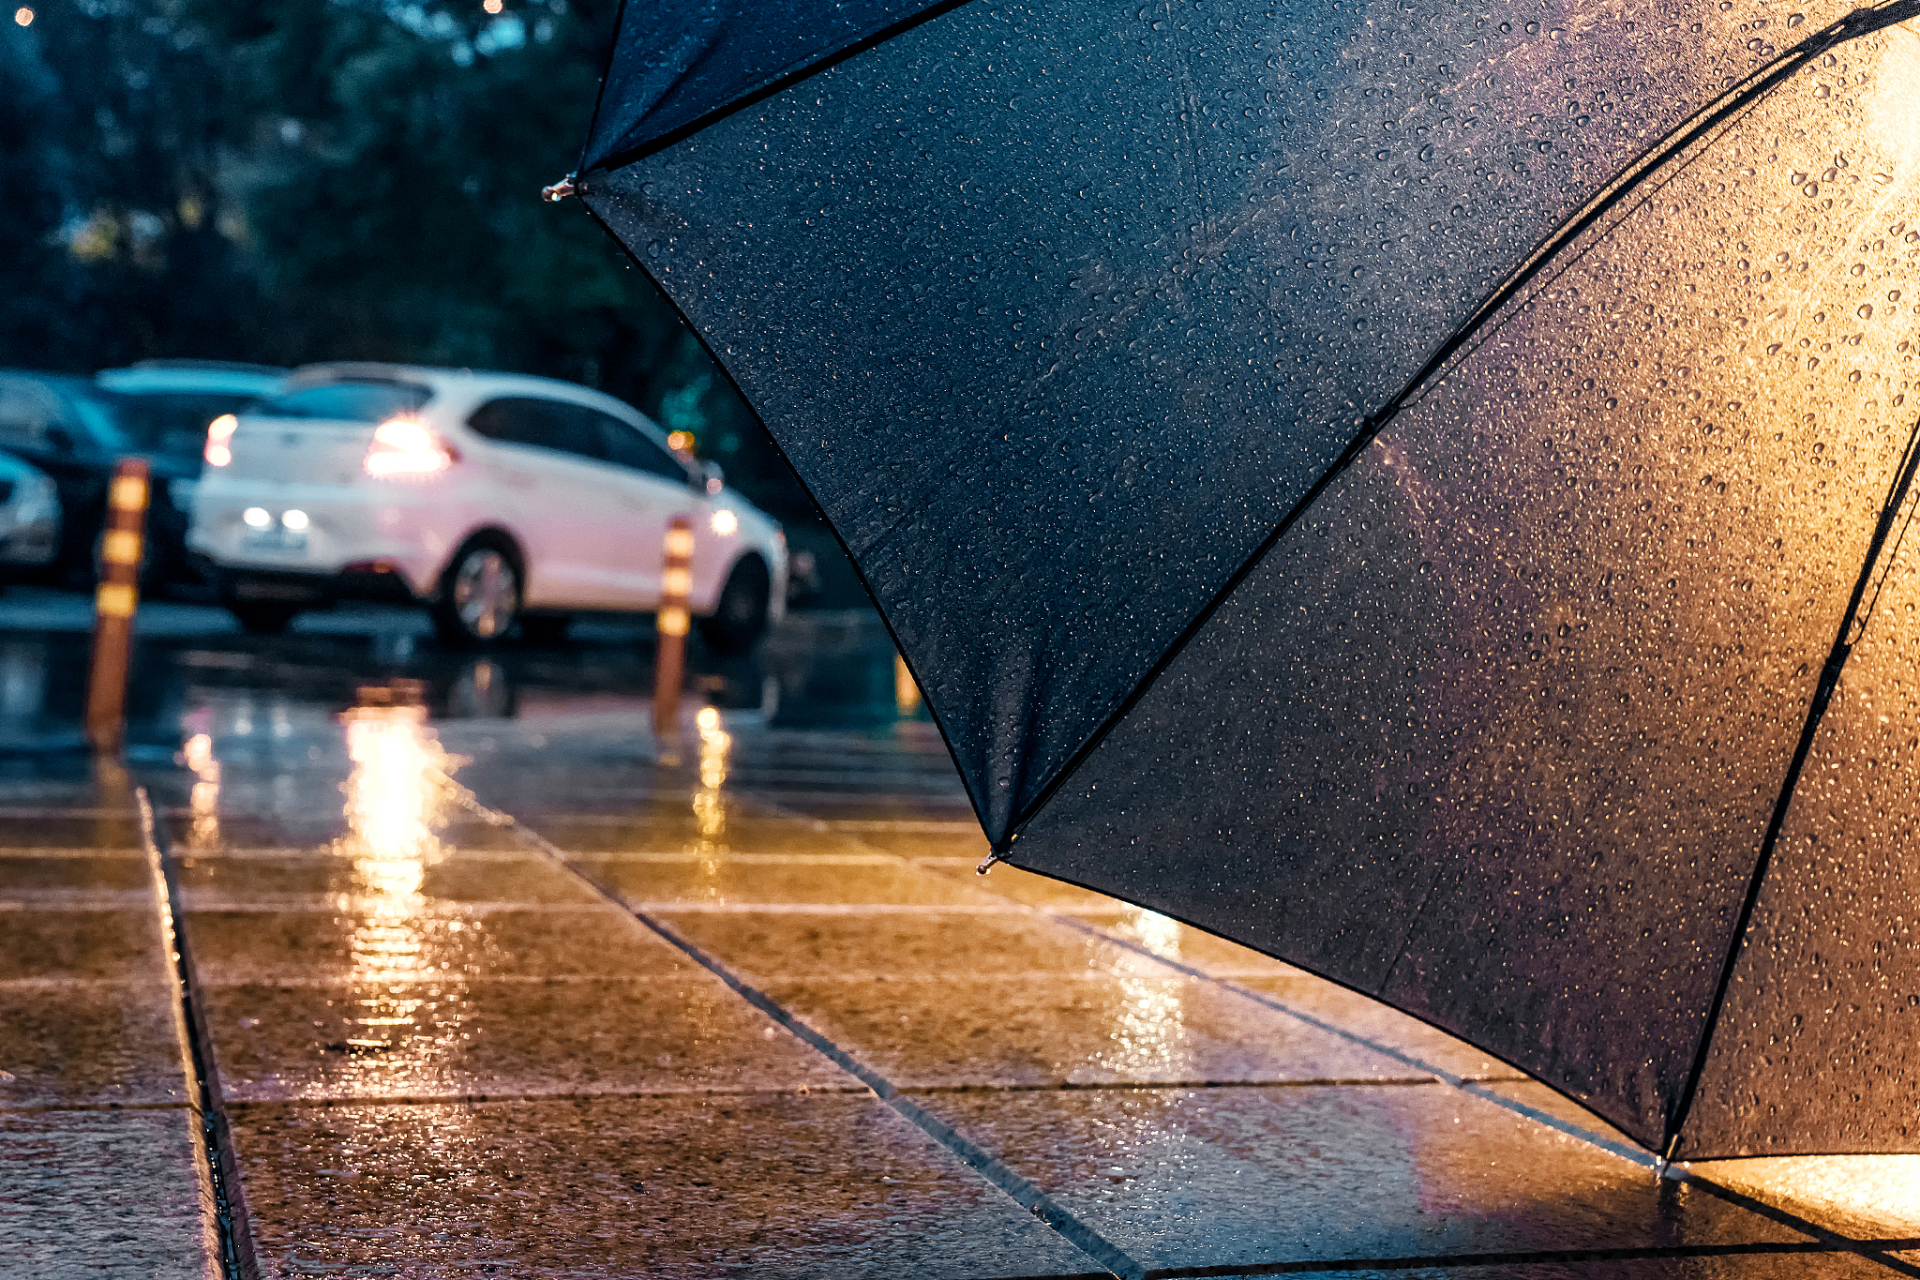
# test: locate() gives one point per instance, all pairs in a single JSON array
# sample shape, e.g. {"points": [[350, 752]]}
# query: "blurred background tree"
{"points": [[294, 180]]}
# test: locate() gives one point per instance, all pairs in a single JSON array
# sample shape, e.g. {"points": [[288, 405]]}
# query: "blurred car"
{"points": [[165, 405], [488, 497], [69, 428], [29, 516]]}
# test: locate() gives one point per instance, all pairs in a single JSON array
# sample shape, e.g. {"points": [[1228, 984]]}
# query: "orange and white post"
{"points": [[114, 603], [670, 659]]}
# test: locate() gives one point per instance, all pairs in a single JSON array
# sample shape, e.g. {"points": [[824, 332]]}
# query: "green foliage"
{"points": [[297, 180]]}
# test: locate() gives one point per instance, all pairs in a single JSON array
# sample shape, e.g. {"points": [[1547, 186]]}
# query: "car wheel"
{"points": [[545, 628], [479, 594], [740, 618], [263, 619]]}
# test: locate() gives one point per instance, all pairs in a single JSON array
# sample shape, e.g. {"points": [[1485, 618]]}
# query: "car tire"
{"points": [[479, 596], [263, 619], [545, 628], [740, 618]]}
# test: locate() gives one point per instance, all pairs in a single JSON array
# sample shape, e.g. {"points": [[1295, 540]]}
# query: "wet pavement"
{"points": [[475, 977]]}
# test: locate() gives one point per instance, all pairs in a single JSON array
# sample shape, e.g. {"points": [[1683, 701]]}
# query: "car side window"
{"points": [[628, 447], [545, 424]]}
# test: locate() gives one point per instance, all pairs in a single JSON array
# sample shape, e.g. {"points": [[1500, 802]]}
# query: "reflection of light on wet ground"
{"points": [[709, 804], [1875, 1195], [1149, 1034], [204, 800], [397, 798]]}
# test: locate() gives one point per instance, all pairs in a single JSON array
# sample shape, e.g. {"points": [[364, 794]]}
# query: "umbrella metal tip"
{"points": [[560, 190], [987, 865]]}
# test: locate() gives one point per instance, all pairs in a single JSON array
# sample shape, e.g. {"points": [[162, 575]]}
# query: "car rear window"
{"points": [[175, 421], [347, 401]]}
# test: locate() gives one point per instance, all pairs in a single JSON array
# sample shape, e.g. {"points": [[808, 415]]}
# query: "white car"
{"points": [[488, 497]]}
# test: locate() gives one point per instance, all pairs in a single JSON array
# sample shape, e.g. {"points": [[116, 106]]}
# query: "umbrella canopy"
{"points": [[1402, 485]]}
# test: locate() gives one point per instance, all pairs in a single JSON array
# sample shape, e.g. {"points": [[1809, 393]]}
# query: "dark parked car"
{"points": [[70, 429], [167, 404]]}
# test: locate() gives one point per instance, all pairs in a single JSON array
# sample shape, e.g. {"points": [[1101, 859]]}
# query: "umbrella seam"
{"points": [[778, 83], [1741, 97]]}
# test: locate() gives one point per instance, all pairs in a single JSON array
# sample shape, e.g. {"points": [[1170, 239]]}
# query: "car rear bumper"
{"points": [[374, 581]]}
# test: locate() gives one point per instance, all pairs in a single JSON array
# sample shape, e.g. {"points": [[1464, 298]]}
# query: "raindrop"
{"points": [[1798, 178], [1893, 295], [1822, 92], [1795, 19], [653, 248], [1866, 311], [1533, 28], [1426, 152], [1854, 376], [1810, 190]]}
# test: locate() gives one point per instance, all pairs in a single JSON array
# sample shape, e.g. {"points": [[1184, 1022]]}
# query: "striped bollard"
{"points": [[670, 660], [114, 603]]}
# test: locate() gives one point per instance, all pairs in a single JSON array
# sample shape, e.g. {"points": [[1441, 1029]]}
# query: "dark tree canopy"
{"points": [[284, 181]]}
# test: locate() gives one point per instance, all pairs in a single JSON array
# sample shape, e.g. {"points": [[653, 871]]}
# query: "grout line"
{"points": [[233, 1244], [1544, 1256], [1021, 1191], [213, 1243], [40, 1108], [801, 1091]]}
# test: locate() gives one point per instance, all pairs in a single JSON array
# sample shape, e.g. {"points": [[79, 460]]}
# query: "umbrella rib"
{"points": [[779, 83], [1741, 97], [1852, 627]]}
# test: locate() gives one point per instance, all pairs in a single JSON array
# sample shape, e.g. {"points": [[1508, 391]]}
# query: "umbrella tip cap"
{"points": [[987, 865], [560, 190]]}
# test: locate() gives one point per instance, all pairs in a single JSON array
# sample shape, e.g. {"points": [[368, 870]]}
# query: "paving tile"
{"points": [[829, 1186], [686, 832], [36, 876], [962, 942], [399, 939], [93, 1044], [932, 1032], [1221, 1177], [683, 1033], [85, 831], [69, 942], [852, 878], [1382, 1024], [102, 1194], [461, 877]]}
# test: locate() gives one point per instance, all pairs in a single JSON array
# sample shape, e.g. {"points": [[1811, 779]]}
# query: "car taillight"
{"points": [[403, 447], [219, 451]]}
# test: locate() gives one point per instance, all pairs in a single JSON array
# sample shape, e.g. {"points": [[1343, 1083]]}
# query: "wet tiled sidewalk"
{"points": [[520, 999]]}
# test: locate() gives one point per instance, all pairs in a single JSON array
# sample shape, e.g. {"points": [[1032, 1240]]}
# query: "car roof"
{"points": [[150, 377], [452, 383]]}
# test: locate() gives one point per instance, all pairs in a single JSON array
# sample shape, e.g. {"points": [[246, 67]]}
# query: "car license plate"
{"points": [[276, 539]]}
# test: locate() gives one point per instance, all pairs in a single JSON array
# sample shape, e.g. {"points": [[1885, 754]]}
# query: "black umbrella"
{"points": [[1379, 481]]}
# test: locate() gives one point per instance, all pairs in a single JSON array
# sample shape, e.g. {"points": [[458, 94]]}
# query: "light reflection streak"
{"points": [[398, 795], [709, 802], [1149, 1033], [204, 800]]}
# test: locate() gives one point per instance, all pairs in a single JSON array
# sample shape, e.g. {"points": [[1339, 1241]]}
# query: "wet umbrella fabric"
{"points": [[1500, 685]]}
